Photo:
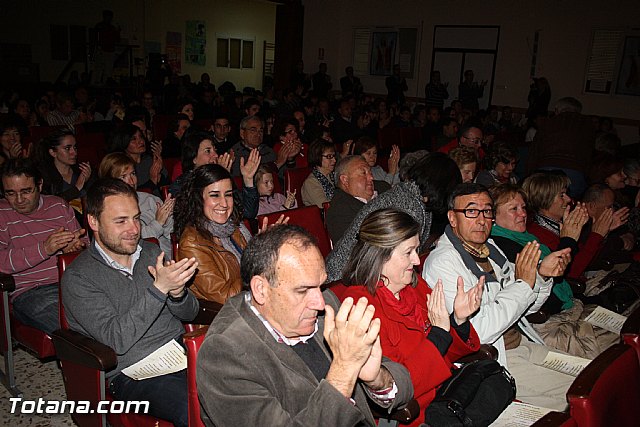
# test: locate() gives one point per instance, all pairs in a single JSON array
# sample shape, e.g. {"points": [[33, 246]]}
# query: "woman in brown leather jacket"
{"points": [[209, 229]]}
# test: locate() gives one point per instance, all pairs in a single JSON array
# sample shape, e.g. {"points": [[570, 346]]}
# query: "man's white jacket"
{"points": [[504, 302]]}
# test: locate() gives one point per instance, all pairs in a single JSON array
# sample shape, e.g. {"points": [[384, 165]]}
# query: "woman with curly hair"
{"points": [[209, 229]]}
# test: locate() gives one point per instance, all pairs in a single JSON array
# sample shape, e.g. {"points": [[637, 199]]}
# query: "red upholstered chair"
{"points": [[39, 132], [293, 180], [34, 340], [309, 218], [556, 419], [193, 341], [161, 125], [170, 164], [630, 332], [607, 391], [92, 147], [325, 208]]}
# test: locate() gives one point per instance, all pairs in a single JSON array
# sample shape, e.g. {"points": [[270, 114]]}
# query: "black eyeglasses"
{"points": [[475, 213]]}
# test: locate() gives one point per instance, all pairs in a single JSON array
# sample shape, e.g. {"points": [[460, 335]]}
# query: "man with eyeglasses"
{"points": [[33, 229], [468, 136], [511, 291], [251, 134]]}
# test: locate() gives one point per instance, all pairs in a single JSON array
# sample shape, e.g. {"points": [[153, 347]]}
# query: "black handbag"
{"points": [[475, 395]]}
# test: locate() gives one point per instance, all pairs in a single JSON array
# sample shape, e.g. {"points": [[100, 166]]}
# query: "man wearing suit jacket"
{"points": [[284, 353]]}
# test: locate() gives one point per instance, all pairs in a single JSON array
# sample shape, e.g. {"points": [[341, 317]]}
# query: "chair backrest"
{"points": [[607, 391], [193, 341], [39, 132], [64, 260], [293, 180], [630, 332], [325, 208], [161, 125], [164, 191], [92, 147], [309, 218], [170, 164]]}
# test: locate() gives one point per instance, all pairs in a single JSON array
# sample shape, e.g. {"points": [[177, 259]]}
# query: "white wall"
{"points": [[565, 27], [247, 19]]}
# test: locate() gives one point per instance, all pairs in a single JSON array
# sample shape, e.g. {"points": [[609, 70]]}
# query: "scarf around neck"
{"points": [[547, 223], [467, 258], [561, 289], [407, 306], [328, 185], [224, 232]]}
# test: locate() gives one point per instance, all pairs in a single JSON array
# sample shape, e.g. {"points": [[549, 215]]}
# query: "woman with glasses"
{"points": [[319, 186], [415, 327], [565, 328], [57, 158], [286, 131]]}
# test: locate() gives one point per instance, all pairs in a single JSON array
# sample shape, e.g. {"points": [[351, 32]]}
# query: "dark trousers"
{"points": [[38, 308], [167, 395]]}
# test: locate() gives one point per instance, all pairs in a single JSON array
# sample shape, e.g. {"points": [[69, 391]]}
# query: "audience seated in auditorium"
{"points": [[467, 160], [380, 269], [284, 328], [210, 230], [469, 135], [121, 293], [64, 114], [354, 189], [251, 134], [424, 192], [156, 216], [447, 134], [343, 127], [319, 186], [285, 133], [565, 329], [11, 142], [57, 158], [150, 170], [557, 226], [269, 200], [500, 162], [172, 143], [511, 291], [368, 149], [33, 229]]}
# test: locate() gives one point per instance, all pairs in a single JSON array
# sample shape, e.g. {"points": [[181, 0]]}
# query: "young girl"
{"points": [[270, 202]]}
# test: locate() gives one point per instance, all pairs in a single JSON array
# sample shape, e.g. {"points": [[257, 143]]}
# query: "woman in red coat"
{"points": [[415, 329]]}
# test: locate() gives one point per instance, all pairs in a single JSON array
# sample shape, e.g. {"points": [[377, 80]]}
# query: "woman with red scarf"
{"points": [[416, 329]]}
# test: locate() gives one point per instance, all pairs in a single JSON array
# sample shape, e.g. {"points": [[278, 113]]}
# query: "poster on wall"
{"points": [[629, 75], [195, 43], [173, 50], [383, 52]]}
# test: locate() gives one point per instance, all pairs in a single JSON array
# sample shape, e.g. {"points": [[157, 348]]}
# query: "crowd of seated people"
{"points": [[201, 164]]}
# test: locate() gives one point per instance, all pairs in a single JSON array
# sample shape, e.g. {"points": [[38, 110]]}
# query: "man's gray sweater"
{"points": [[125, 312]]}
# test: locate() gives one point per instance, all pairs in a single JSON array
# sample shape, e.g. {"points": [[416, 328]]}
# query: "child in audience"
{"points": [[270, 201]]}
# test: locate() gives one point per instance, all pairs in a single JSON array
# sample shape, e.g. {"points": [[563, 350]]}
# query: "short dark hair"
{"points": [[20, 166], [380, 233], [103, 188], [260, 256], [501, 152], [466, 189], [364, 143], [436, 175], [317, 149]]}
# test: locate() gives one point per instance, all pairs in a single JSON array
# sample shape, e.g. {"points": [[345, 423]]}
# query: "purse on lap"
{"points": [[475, 395]]}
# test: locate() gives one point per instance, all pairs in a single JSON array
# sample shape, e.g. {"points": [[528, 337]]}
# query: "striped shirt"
{"points": [[22, 237]]}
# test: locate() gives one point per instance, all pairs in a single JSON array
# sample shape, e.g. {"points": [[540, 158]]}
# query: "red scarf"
{"points": [[407, 306]]}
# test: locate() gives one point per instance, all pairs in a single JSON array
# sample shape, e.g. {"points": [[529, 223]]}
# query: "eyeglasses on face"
{"points": [[10, 194], [329, 156], [475, 213]]}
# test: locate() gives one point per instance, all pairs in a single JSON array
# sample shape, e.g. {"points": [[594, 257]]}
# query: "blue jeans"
{"points": [[38, 308], [167, 395]]}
